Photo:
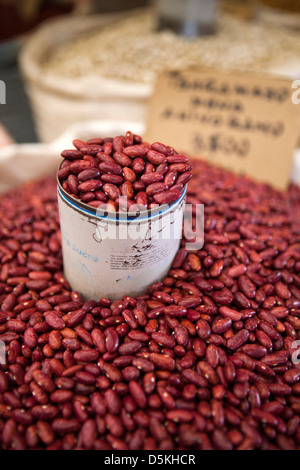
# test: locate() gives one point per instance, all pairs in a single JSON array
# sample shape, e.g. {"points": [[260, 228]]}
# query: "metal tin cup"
{"points": [[107, 254]]}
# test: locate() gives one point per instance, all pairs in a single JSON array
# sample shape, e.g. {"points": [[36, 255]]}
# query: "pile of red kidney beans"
{"points": [[102, 172], [206, 359]]}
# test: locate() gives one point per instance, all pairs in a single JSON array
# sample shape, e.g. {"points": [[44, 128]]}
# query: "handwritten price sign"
{"points": [[245, 123]]}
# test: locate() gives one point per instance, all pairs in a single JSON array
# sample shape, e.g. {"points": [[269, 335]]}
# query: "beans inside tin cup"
{"points": [[121, 204]]}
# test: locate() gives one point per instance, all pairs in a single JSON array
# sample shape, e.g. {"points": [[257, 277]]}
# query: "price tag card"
{"points": [[246, 123]]}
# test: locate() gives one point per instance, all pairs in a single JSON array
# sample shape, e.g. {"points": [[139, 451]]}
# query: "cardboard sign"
{"points": [[243, 122]]}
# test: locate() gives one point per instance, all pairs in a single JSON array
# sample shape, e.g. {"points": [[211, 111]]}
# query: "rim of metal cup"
{"points": [[98, 213]]}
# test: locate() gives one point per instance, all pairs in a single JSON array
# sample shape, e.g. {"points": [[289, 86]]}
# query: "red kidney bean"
{"points": [[79, 166], [155, 188], [54, 321], [223, 297], [222, 325], [91, 149], [72, 182], [208, 372], [162, 361], [170, 177], [44, 381], [155, 157], [89, 355], [292, 425], [237, 271], [291, 376], [230, 313], [8, 432], [203, 284], [264, 339], [153, 177], [254, 350], [89, 174], [247, 287], [138, 166], [64, 426], [181, 335], [112, 191], [217, 413], [71, 154], [130, 347], [116, 180], [279, 312], [269, 330], [88, 434], [164, 339], [137, 394], [162, 148], [129, 175], [275, 359], [97, 141], [118, 143], [113, 401], [238, 339], [98, 338], [90, 185], [113, 168], [137, 150], [203, 329], [264, 417], [176, 311], [121, 159], [40, 396], [180, 416]]}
